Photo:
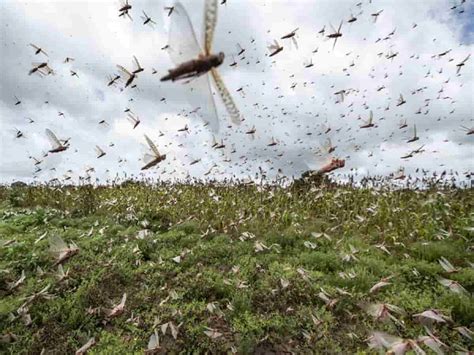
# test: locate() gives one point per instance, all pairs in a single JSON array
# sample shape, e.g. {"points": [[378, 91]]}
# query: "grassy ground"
{"points": [[240, 268]]}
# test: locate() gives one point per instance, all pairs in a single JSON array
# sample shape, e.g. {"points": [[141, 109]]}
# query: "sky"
{"points": [[287, 101]]}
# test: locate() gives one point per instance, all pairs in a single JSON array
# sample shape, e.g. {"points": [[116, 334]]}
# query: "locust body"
{"points": [[195, 67]]}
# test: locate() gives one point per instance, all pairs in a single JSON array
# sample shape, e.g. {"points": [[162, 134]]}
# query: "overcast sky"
{"points": [[285, 99]]}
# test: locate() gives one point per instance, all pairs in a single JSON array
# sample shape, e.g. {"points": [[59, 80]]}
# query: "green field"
{"points": [[247, 269]]}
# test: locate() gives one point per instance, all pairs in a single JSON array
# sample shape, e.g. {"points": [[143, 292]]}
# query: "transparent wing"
{"points": [[148, 158], [210, 20], [124, 299], [226, 97], [154, 341], [152, 145], [373, 309], [328, 145], [294, 42], [131, 119], [182, 41], [56, 244], [183, 46], [200, 95], [123, 70], [274, 46], [52, 138], [136, 62], [380, 339]]}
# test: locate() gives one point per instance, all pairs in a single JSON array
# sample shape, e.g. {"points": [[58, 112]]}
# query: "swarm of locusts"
{"points": [[235, 267]]}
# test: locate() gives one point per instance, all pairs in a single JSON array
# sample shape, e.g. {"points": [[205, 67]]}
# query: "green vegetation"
{"points": [[231, 268]]}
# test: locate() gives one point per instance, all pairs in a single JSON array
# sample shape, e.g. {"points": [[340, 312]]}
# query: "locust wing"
{"points": [[182, 41], [294, 42], [52, 138], [466, 59], [152, 146], [328, 147], [153, 343], [38, 49], [274, 46], [57, 245], [226, 97], [133, 120], [136, 62], [210, 20], [99, 150], [147, 158], [202, 96], [125, 71], [183, 46], [379, 340]]}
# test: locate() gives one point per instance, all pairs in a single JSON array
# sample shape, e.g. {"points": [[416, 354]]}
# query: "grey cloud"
{"points": [[99, 40]]}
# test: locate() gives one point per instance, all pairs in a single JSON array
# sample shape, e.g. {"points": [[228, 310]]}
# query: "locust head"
{"points": [[218, 59]]}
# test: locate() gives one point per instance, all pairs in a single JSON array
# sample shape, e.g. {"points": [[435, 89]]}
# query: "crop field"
{"points": [[243, 269]]}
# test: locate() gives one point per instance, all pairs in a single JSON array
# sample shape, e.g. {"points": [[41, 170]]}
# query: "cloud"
{"points": [[282, 98]]}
